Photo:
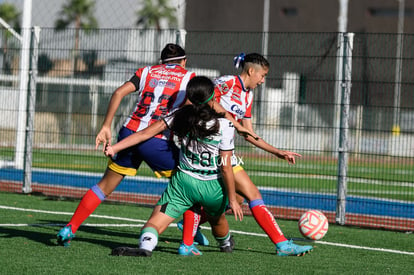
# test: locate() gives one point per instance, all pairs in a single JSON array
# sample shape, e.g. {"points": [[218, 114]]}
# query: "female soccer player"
{"points": [[204, 174], [235, 94], [160, 89]]}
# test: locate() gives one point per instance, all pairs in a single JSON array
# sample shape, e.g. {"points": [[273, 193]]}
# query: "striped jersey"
{"points": [[203, 161], [233, 96], [161, 90]]}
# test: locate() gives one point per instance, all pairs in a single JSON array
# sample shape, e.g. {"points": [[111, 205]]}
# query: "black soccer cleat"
{"points": [[228, 246], [130, 251]]}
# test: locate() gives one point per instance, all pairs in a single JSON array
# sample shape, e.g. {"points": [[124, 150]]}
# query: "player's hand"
{"points": [[109, 151], [104, 136], [290, 156], [237, 210]]}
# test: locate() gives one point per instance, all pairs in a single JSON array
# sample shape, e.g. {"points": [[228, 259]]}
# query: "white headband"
{"points": [[174, 58]]}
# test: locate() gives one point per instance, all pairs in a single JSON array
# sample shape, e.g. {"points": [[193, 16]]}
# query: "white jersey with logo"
{"points": [[233, 96], [203, 161]]}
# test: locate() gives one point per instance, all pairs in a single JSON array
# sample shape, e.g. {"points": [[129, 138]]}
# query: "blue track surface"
{"points": [[152, 186]]}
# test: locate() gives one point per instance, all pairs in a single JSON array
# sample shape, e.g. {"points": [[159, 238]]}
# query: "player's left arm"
{"points": [[260, 143], [136, 138]]}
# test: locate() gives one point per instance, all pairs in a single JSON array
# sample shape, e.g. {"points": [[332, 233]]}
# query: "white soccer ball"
{"points": [[313, 225]]}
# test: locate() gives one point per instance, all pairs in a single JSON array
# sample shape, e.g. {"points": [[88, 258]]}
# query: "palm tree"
{"points": [[79, 13], [9, 13], [152, 13]]}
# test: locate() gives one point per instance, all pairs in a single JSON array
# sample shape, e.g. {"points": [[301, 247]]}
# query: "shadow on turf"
{"points": [[50, 239]]}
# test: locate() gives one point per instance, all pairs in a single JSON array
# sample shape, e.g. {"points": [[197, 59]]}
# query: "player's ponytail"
{"points": [[198, 120], [244, 61], [239, 61]]}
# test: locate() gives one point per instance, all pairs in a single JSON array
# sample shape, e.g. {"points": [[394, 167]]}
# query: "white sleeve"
{"points": [[168, 120], [227, 135]]}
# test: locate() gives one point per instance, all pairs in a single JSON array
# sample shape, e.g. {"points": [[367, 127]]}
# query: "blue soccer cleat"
{"points": [[65, 235], [192, 250], [288, 248], [198, 238]]}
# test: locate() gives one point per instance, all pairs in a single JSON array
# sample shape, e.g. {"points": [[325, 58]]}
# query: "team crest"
{"points": [[224, 88]]}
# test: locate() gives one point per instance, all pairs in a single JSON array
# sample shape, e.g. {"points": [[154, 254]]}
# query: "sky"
{"points": [[110, 14]]}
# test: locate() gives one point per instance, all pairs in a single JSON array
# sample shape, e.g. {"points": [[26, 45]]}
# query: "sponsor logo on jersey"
{"points": [[169, 84], [165, 73], [153, 83], [236, 109], [161, 83]]}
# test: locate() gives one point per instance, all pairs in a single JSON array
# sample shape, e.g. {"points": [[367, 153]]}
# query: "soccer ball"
{"points": [[313, 225]]}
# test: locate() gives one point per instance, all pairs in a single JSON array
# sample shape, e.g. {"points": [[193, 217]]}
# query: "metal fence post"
{"points": [[24, 79], [348, 39], [28, 148]]}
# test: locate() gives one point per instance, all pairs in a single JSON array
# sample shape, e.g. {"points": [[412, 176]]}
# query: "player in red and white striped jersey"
{"points": [[235, 94], [160, 89]]}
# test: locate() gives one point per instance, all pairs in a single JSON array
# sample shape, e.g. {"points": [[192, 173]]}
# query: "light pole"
{"points": [[342, 28], [265, 51], [398, 69]]}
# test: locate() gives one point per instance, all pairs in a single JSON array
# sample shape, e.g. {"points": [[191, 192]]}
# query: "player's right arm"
{"points": [[104, 136], [136, 138], [260, 143]]}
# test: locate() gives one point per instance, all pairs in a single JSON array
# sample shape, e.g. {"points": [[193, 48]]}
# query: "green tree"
{"points": [[78, 13], [153, 11], [9, 13]]}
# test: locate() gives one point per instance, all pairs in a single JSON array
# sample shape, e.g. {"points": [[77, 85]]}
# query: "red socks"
{"points": [[190, 225], [90, 201], [266, 221], [262, 215]]}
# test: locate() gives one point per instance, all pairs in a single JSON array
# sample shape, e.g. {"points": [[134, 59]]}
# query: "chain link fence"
{"points": [[300, 108]]}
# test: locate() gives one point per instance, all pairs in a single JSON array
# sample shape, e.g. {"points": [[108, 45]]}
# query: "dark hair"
{"points": [[172, 52], [199, 90], [241, 60], [191, 120]]}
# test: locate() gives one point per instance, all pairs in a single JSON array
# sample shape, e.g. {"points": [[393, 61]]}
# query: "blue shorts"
{"points": [[160, 155]]}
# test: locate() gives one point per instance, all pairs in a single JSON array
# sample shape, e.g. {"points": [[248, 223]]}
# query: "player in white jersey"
{"points": [[160, 89], [235, 94], [204, 174]]}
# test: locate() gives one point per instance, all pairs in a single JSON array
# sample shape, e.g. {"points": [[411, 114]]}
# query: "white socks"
{"points": [[148, 239]]}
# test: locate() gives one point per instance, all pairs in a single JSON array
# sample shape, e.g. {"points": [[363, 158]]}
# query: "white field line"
{"points": [[333, 167], [70, 214], [325, 177], [174, 225]]}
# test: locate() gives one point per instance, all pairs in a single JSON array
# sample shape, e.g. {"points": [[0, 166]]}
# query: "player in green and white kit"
{"points": [[204, 176]]}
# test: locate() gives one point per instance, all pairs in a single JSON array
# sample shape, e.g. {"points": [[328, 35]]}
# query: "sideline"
{"points": [[174, 225]]}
